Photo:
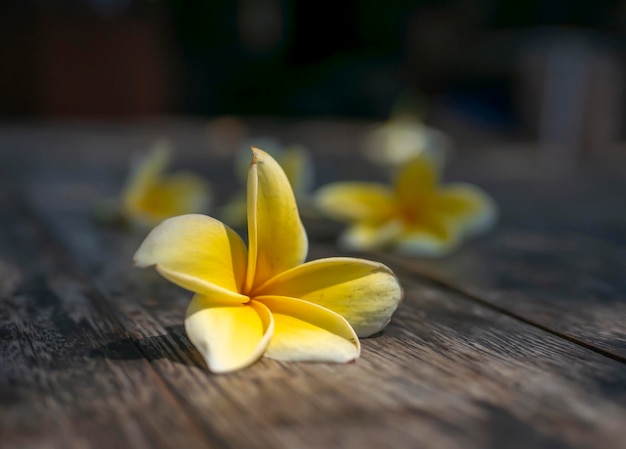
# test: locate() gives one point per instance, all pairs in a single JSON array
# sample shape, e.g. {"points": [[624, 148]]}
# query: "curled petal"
{"points": [[363, 292], [228, 337], [307, 332], [474, 210], [270, 145], [198, 253], [277, 239], [356, 201], [365, 236]]}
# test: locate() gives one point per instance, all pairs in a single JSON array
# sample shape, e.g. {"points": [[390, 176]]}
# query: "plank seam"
{"points": [[460, 291]]}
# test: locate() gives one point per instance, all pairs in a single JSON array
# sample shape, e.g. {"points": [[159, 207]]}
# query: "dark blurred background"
{"points": [[543, 68]]}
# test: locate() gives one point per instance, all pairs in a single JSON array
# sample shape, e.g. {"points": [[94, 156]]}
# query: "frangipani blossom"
{"points": [[402, 138], [264, 300], [295, 161], [416, 216], [150, 196]]}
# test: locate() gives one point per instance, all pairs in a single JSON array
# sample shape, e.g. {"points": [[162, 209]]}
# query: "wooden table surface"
{"points": [[518, 340]]}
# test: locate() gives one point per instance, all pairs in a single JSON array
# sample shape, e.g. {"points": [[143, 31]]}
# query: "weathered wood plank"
{"points": [[590, 203], [569, 283], [447, 372], [573, 212], [58, 385]]}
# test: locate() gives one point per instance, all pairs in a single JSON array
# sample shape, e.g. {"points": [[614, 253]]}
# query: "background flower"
{"points": [[150, 196], [403, 137], [415, 216]]}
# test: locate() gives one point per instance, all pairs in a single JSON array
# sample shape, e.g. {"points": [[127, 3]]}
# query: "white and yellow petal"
{"points": [[468, 205], [356, 201], [367, 236], [277, 240], [307, 332], [395, 141], [198, 253], [228, 337], [435, 236], [363, 292], [403, 138]]}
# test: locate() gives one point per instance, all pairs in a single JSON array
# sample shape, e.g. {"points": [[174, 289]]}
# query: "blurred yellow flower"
{"points": [[416, 216], [264, 300], [295, 161], [404, 137], [150, 196]]}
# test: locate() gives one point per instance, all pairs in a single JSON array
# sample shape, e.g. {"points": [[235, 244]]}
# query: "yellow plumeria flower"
{"points": [[264, 300], [295, 161], [150, 196], [402, 138], [416, 216]]}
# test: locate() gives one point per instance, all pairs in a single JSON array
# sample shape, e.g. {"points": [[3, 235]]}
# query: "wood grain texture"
{"points": [[572, 284], [447, 372], [93, 352], [567, 282], [58, 388]]}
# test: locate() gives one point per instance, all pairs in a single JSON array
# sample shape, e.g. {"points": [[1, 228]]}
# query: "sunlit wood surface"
{"points": [[518, 340]]}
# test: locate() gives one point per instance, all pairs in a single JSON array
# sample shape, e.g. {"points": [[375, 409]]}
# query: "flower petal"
{"points": [[307, 332], [270, 145], [430, 238], [145, 173], [177, 194], [366, 236], [228, 337], [356, 201], [189, 193], [395, 141], [363, 292], [198, 253], [470, 206], [415, 181], [277, 239], [402, 138]]}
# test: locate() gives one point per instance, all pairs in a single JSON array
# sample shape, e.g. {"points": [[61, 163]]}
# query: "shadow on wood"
{"points": [[173, 346]]}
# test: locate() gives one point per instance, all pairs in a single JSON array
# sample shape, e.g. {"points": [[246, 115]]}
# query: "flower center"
{"points": [[411, 215]]}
